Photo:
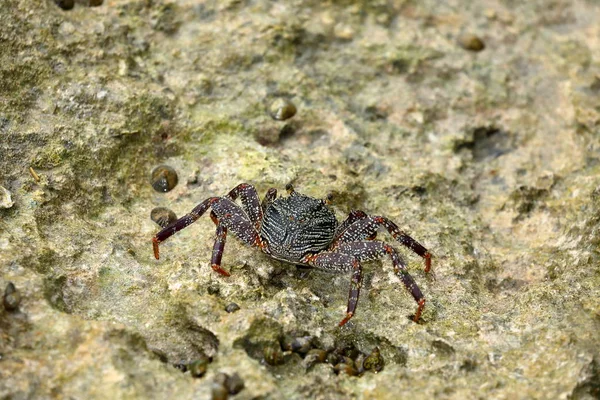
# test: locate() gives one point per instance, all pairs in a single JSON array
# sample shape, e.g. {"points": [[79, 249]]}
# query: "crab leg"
{"points": [[250, 201], [339, 262], [366, 228], [181, 223], [219, 246], [368, 251], [353, 216], [228, 214]]}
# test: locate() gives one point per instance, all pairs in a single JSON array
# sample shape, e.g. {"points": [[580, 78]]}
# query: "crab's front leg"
{"points": [[226, 214], [182, 223], [219, 246], [339, 263]]}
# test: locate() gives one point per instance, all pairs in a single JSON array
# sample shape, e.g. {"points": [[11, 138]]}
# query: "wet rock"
{"points": [[263, 333], [5, 198], [442, 347], [588, 386]]}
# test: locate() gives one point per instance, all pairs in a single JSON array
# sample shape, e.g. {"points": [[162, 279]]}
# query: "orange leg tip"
{"points": [[419, 310], [348, 316], [220, 270], [427, 262], [155, 247]]}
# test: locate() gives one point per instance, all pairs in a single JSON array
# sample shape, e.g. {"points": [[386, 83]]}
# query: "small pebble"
{"points": [[235, 383], [471, 42], [232, 307], [374, 361], [65, 4], [164, 178], [12, 297], [95, 3], [198, 368], [163, 216], [282, 109], [272, 354], [5, 198]]}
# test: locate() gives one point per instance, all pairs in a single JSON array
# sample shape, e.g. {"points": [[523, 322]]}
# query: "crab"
{"points": [[303, 230]]}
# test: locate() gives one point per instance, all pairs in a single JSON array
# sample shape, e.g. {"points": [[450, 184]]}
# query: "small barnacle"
{"points": [[232, 307], [272, 354], [198, 367], [297, 344], [282, 109], [374, 361], [163, 216], [12, 297], [468, 41], [164, 178]]}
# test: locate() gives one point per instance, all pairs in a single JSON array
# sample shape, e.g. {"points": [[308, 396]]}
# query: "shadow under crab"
{"points": [[302, 230]]}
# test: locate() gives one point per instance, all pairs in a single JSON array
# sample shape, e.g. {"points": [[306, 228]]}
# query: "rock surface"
{"points": [[491, 159]]}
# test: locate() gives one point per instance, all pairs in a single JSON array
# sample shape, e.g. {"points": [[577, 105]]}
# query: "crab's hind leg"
{"points": [[366, 228], [182, 223], [367, 251], [339, 263]]}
